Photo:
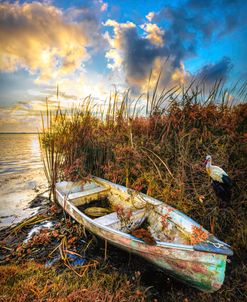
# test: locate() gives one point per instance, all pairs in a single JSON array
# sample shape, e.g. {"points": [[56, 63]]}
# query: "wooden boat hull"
{"points": [[203, 270]]}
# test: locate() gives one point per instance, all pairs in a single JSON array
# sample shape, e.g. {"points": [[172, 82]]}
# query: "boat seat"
{"points": [[108, 219], [112, 218], [82, 197]]}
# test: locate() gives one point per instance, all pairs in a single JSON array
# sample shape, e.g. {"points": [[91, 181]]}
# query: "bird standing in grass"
{"points": [[221, 182]]}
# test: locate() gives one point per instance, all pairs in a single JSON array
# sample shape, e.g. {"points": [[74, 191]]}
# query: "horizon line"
{"points": [[23, 132]]}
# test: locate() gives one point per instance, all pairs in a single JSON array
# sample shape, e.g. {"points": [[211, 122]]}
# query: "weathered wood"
{"points": [[113, 219], [86, 196]]}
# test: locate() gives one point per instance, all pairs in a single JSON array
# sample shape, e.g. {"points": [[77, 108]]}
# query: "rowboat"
{"points": [[180, 246]]}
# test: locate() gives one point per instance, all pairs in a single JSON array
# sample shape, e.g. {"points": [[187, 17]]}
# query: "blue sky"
{"points": [[87, 47]]}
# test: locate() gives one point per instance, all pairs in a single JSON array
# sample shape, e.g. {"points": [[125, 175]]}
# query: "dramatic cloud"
{"points": [[230, 15], [154, 33], [213, 72], [44, 39], [173, 35], [196, 22], [183, 30], [116, 52], [138, 53]]}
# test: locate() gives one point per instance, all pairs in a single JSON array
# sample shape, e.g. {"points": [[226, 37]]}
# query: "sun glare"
{"points": [[34, 144], [45, 56]]}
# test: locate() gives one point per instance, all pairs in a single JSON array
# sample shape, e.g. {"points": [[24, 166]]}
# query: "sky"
{"points": [[90, 47]]}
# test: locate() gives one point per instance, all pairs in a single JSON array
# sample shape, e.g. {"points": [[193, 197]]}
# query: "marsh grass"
{"points": [[156, 144]]}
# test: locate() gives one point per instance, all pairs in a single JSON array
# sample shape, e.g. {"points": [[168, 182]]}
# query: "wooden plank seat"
{"points": [[108, 219], [86, 196], [112, 218]]}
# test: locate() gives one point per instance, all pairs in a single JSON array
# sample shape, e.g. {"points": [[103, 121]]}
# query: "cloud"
{"points": [[154, 33], [174, 35], [23, 116], [26, 115], [182, 31], [214, 72], [197, 21], [44, 39], [138, 53], [150, 16], [203, 19]]}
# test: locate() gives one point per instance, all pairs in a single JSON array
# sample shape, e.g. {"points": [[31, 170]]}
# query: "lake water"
{"points": [[19, 153], [21, 176]]}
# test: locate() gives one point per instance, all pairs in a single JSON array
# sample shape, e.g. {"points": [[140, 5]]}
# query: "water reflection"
{"points": [[19, 153], [35, 149], [21, 176]]}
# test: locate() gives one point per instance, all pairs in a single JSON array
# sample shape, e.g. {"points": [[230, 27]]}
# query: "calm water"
{"points": [[21, 176], [19, 153]]}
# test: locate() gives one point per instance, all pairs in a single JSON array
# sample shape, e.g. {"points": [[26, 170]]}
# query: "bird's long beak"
{"points": [[205, 162]]}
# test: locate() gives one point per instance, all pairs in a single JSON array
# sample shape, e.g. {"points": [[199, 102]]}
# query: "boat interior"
{"points": [[124, 211]]}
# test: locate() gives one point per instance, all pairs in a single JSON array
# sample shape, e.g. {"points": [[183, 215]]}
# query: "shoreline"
{"points": [[18, 190]]}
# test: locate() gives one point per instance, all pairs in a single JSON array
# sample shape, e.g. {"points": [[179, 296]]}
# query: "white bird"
{"points": [[221, 182]]}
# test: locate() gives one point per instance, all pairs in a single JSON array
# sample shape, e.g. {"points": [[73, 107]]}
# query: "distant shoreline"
{"points": [[19, 132]]}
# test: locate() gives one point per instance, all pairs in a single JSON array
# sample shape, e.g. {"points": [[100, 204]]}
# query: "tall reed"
{"points": [[50, 154]]}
